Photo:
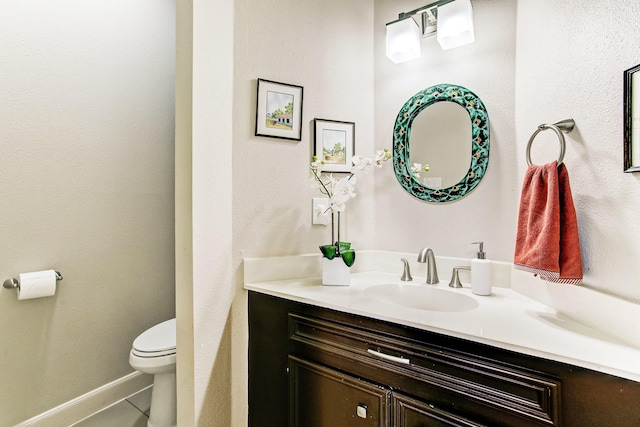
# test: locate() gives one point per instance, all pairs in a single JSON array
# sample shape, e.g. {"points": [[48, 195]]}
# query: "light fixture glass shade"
{"points": [[455, 24], [403, 40]]}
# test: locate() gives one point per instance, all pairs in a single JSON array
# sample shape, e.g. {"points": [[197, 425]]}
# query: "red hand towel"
{"points": [[547, 240]]}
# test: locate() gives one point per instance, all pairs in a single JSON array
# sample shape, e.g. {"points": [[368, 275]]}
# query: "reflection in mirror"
{"points": [[632, 119], [410, 133], [441, 138]]}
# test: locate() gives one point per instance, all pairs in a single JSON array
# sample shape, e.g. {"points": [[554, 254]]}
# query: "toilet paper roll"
{"points": [[37, 284]]}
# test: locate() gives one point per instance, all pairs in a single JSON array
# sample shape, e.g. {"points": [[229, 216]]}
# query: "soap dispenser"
{"points": [[480, 272]]}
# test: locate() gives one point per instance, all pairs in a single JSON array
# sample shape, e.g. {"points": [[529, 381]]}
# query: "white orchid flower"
{"points": [[341, 190], [381, 157], [337, 205], [361, 164], [330, 183], [344, 190], [415, 169]]}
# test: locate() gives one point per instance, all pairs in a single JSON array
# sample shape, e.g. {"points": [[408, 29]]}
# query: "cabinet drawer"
{"points": [[431, 373]]}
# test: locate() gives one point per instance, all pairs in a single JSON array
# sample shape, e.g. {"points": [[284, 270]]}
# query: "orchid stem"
{"points": [[338, 241], [326, 191], [332, 230]]}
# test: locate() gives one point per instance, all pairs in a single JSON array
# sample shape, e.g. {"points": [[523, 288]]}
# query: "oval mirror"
{"points": [[449, 143]]}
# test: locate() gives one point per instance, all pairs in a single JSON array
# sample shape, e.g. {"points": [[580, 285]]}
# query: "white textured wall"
{"points": [[86, 117], [326, 46], [183, 213], [487, 67], [204, 291], [570, 60]]}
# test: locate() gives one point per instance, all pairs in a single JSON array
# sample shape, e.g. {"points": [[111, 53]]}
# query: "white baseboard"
{"points": [[89, 403]]}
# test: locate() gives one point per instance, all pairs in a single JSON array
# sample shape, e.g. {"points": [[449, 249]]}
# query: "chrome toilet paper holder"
{"points": [[14, 283]]}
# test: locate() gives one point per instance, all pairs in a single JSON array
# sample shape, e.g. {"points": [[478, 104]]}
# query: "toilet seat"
{"points": [[153, 353], [157, 341]]}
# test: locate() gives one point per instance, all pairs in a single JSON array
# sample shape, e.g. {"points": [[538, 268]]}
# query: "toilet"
{"points": [[154, 352]]}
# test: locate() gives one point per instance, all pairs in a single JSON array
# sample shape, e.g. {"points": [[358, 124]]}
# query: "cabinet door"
{"points": [[324, 397], [408, 412]]}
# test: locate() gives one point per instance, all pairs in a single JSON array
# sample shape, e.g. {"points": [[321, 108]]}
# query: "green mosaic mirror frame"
{"points": [[479, 142]]}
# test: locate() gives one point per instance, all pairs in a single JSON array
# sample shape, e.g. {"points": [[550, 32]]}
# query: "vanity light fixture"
{"points": [[403, 40], [452, 20]]}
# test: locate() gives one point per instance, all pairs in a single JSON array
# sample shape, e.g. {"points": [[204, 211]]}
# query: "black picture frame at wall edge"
{"points": [[631, 107]]}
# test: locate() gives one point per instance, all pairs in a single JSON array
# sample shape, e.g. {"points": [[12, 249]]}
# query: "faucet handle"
{"points": [[406, 274], [455, 279]]}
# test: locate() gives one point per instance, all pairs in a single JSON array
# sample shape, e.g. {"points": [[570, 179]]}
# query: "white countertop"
{"points": [[506, 319]]}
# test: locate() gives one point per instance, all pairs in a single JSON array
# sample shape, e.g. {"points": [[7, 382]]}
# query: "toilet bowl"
{"points": [[154, 352]]}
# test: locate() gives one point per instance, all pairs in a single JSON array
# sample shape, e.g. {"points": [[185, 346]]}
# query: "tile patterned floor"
{"points": [[131, 412]]}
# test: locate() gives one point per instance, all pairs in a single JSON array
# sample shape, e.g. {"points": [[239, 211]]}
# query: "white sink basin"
{"points": [[423, 297]]}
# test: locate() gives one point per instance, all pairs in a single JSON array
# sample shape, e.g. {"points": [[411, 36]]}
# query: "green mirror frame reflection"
{"points": [[479, 142]]}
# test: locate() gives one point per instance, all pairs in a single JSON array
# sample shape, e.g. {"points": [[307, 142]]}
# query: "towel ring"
{"points": [[565, 126]]}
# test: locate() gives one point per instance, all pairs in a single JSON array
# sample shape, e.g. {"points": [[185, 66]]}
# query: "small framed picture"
{"points": [[279, 110], [335, 144]]}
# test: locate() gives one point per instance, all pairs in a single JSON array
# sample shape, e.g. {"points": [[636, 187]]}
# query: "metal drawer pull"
{"points": [[389, 357]]}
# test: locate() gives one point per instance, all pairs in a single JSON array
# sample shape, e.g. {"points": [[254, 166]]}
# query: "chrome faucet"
{"points": [[426, 255]]}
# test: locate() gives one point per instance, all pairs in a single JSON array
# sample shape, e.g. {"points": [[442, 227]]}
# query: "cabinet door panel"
{"points": [[323, 397], [408, 412]]}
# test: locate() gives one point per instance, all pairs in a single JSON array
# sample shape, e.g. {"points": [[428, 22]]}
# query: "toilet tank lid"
{"points": [[157, 338]]}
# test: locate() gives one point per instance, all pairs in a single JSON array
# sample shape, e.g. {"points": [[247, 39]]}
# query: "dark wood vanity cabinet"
{"points": [[314, 367]]}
